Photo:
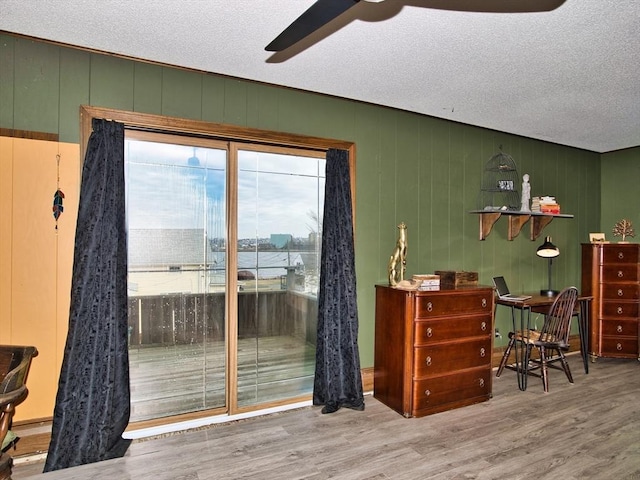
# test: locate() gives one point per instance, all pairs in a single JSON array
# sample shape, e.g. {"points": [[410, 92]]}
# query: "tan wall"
{"points": [[36, 260]]}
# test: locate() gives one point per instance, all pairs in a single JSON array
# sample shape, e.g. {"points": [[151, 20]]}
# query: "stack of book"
{"points": [[427, 282], [549, 205], [535, 204]]}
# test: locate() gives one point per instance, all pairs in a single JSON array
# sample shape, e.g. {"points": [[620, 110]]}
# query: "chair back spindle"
{"points": [[557, 323]]}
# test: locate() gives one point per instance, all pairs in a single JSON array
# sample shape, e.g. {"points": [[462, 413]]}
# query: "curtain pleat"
{"points": [[337, 381], [92, 403]]}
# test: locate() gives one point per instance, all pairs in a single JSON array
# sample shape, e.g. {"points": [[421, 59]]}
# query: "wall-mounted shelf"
{"points": [[516, 221]]}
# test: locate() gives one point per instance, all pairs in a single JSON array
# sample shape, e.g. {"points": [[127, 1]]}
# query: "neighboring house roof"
{"points": [[153, 247]]}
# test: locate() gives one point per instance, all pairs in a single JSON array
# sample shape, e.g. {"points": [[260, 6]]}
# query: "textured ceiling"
{"points": [[564, 71]]}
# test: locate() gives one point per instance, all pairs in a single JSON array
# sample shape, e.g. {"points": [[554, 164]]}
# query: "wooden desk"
{"points": [[541, 304]]}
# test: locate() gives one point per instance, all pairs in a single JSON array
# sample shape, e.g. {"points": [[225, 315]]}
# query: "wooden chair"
{"points": [[14, 367], [552, 337]]}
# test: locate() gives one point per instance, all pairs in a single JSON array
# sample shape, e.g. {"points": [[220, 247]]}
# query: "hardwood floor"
{"points": [[589, 430]]}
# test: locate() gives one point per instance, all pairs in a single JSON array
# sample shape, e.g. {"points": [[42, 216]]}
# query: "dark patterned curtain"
{"points": [[337, 380], [92, 404]]}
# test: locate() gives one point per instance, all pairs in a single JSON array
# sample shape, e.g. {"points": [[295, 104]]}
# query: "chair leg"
{"points": [[543, 367], [565, 365], [505, 357]]}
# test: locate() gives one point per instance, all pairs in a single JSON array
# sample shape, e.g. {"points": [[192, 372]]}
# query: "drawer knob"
{"points": [[429, 332], [620, 255], [620, 274], [619, 310], [484, 303], [427, 392], [483, 326], [427, 361], [619, 329], [482, 352], [429, 307], [481, 382], [619, 346], [620, 292]]}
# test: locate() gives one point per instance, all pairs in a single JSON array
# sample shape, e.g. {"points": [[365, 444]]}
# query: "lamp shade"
{"points": [[547, 249]]}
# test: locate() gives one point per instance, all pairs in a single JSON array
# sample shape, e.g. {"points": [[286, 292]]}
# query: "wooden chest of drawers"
{"points": [[433, 348], [611, 274]]}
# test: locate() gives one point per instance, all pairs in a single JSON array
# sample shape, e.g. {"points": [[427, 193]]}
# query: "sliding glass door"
{"points": [[176, 204], [224, 248], [280, 197]]}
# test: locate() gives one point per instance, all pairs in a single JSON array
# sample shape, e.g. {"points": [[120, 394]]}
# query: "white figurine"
{"points": [[526, 193]]}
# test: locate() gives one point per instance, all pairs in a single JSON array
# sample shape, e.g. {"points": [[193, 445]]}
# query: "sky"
{"points": [[179, 186]]}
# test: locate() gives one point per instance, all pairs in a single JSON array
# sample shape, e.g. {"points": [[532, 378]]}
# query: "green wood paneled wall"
{"points": [[621, 191], [413, 168]]}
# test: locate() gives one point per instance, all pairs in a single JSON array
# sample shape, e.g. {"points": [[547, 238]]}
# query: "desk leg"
{"points": [[521, 350], [584, 317]]}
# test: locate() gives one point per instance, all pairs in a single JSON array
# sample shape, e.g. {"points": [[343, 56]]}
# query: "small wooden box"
{"points": [[449, 279]]}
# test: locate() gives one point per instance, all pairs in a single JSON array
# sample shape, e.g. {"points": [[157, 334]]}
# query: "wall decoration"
{"points": [[58, 197], [623, 229]]}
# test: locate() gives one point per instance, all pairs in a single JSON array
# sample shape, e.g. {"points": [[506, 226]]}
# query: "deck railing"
{"points": [[179, 319]]}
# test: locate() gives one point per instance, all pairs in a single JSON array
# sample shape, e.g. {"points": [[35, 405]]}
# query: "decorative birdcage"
{"points": [[500, 181]]}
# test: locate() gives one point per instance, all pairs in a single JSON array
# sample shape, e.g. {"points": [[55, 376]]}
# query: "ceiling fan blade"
{"points": [[317, 15]]}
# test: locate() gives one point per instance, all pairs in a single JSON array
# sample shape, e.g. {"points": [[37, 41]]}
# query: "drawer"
{"points": [[619, 328], [620, 273], [620, 291], [428, 393], [447, 357], [621, 254], [619, 347], [613, 309], [430, 331], [428, 306]]}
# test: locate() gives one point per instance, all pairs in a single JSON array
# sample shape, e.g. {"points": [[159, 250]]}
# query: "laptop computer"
{"points": [[503, 291]]}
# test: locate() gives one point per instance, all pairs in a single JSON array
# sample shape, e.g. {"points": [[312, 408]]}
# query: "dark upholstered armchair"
{"points": [[14, 367]]}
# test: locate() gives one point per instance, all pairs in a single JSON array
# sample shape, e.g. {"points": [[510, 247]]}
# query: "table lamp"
{"points": [[548, 250]]}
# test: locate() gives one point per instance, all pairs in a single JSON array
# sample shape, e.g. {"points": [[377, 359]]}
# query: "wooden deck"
{"points": [[190, 378]]}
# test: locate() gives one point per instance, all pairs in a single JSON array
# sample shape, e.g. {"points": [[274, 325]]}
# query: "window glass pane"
{"points": [[280, 200], [176, 243]]}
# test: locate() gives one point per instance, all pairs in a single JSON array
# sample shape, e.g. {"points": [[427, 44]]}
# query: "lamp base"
{"points": [[549, 293]]}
